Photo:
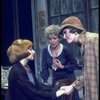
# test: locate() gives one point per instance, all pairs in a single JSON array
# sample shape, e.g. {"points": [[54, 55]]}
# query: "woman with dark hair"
{"points": [[72, 30], [22, 83]]}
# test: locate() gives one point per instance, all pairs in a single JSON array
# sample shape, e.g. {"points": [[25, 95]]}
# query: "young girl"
{"points": [[22, 83]]}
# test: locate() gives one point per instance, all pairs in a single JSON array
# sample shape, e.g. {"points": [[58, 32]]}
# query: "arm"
{"points": [[78, 83], [30, 89], [96, 50], [75, 85]]}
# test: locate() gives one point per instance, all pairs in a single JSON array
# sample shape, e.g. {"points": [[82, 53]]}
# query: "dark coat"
{"points": [[66, 58], [70, 65], [20, 88]]}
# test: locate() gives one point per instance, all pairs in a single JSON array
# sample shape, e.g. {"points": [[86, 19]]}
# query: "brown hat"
{"points": [[72, 21]]}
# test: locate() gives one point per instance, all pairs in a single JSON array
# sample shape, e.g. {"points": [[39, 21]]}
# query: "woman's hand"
{"points": [[67, 89], [57, 63], [59, 93]]}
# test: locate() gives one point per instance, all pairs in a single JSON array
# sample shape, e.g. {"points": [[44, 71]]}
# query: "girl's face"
{"points": [[32, 54], [68, 35], [53, 41]]}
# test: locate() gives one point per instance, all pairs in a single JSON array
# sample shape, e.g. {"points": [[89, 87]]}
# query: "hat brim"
{"points": [[69, 25]]}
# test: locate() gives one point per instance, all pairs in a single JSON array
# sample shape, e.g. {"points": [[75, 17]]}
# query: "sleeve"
{"points": [[72, 63], [96, 55], [30, 89], [45, 72], [43, 86], [79, 83]]}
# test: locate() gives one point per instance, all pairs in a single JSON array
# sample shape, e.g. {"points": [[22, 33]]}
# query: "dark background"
{"points": [[10, 30]]}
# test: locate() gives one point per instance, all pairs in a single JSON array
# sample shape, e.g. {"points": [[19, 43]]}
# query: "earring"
{"points": [[75, 33]]}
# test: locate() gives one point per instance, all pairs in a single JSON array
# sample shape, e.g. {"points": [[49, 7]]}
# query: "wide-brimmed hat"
{"points": [[73, 22]]}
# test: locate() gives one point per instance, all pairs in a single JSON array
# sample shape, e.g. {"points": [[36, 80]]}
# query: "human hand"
{"points": [[59, 92], [57, 63], [67, 89]]}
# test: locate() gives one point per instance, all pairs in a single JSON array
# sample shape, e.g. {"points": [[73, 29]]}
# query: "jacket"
{"points": [[20, 88], [90, 77]]}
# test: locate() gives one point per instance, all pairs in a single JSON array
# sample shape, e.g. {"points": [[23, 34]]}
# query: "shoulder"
{"points": [[92, 35], [66, 48], [92, 38], [17, 68]]}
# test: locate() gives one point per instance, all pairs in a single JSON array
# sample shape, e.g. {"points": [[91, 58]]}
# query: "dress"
{"points": [[66, 58], [21, 88]]}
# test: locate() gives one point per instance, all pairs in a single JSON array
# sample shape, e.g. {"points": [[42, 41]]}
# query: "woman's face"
{"points": [[68, 35], [53, 41], [32, 54]]}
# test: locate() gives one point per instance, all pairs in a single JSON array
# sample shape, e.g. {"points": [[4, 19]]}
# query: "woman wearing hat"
{"points": [[59, 59], [72, 30], [22, 83]]}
